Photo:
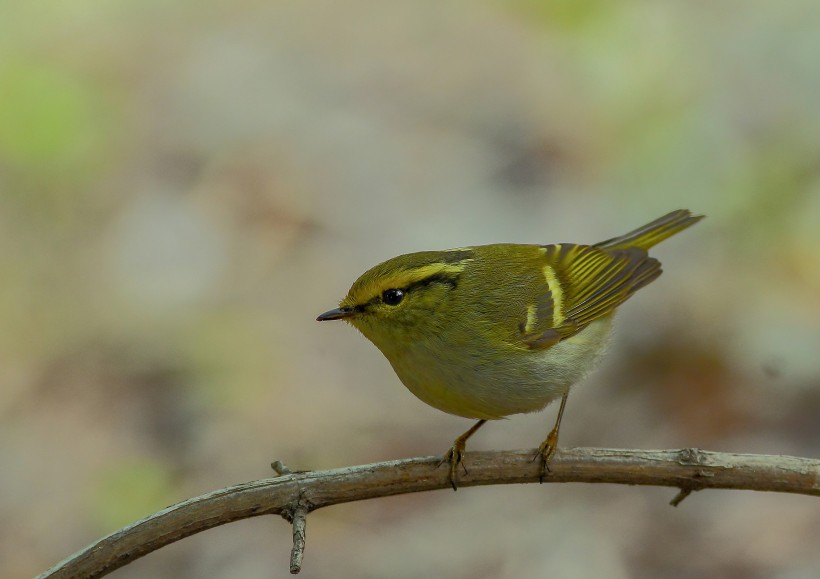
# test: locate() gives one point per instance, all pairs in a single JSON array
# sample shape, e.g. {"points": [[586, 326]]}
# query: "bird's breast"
{"points": [[485, 382]]}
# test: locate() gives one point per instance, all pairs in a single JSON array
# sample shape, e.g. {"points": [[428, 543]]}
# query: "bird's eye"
{"points": [[392, 297]]}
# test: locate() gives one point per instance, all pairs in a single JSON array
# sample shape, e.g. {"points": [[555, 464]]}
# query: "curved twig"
{"points": [[294, 494]]}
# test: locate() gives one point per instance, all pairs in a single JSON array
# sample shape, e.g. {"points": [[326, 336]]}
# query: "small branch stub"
{"points": [[299, 520], [280, 467], [680, 496], [696, 458]]}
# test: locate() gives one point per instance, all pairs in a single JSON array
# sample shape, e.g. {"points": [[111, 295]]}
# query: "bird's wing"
{"points": [[582, 284]]}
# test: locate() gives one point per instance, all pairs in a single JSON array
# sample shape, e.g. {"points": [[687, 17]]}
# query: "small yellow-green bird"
{"points": [[493, 330]]}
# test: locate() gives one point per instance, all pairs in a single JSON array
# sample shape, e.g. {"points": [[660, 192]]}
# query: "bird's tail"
{"points": [[654, 232]]}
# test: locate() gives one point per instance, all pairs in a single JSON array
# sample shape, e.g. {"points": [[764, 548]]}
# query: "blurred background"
{"points": [[185, 185]]}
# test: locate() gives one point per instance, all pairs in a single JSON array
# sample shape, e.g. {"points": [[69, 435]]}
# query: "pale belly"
{"points": [[491, 387]]}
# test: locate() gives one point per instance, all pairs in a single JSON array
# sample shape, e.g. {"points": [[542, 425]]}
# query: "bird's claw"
{"points": [[454, 457], [545, 452]]}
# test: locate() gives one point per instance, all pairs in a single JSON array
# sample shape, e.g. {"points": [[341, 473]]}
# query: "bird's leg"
{"points": [[456, 453], [547, 448]]}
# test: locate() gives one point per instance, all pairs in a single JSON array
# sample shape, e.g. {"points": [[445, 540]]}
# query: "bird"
{"points": [[489, 331]]}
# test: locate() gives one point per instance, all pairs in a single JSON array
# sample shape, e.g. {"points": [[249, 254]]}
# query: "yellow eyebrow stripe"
{"points": [[557, 296], [411, 276], [373, 287]]}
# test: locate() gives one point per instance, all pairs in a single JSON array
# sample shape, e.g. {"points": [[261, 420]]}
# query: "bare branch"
{"points": [[294, 495]]}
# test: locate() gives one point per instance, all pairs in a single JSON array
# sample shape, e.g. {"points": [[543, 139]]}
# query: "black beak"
{"points": [[337, 314]]}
